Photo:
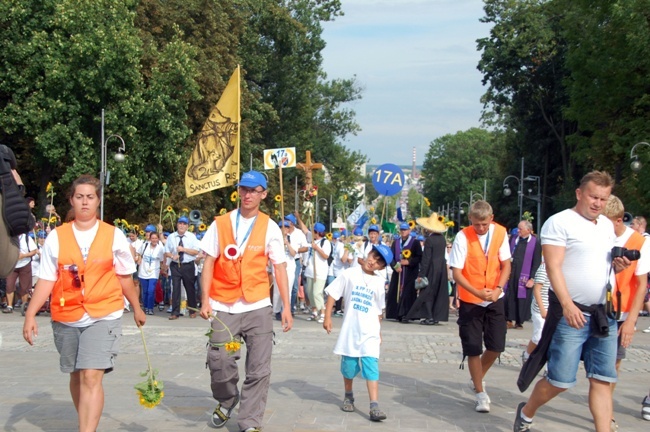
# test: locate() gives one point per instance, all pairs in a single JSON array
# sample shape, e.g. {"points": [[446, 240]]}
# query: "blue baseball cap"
{"points": [[284, 223], [166, 233], [413, 234], [404, 226], [252, 179], [319, 227], [344, 232], [358, 232], [385, 252], [373, 228], [336, 234], [31, 234], [514, 231], [41, 234], [150, 228], [184, 220], [420, 238], [291, 218], [199, 236]]}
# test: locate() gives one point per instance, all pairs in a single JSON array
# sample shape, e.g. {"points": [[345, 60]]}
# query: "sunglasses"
{"points": [[74, 270]]}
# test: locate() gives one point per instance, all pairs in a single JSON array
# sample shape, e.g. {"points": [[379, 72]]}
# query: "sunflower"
{"points": [[234, 196], [450, 223], [202, 227], [44, 219], [191, 228], [373, 221], [185, 210], [406, 253], [411, 224], [136, 228], [169, 209], [345, 197], [328, 236], [278, 198], [441, 219], [223, 211], [276, 213], [53, 220], [48, 189], [232, 346], [124, 222], [426, 201], [141, 232]]}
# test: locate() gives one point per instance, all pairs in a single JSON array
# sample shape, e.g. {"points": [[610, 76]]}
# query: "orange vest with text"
{"points": [[246, 275], [626, 281], [480, 270], [99, 292]]}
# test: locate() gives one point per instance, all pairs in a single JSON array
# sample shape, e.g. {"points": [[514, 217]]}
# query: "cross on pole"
{"points": [[308, 167]]}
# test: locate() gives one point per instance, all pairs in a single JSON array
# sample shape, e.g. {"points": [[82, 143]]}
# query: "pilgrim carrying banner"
{"points": [[214, 163]]}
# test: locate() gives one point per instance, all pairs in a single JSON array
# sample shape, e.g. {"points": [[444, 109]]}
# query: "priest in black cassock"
{"points": [[432, 304], [406, 265], [526, 252]]}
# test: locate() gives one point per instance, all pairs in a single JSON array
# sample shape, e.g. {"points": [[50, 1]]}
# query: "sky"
{"points": [[416, 62]]}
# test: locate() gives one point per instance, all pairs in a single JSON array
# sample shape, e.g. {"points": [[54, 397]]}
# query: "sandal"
{"points": [[348, 405], [8, 310], [377, 415], [219, 418], [312, 317]]}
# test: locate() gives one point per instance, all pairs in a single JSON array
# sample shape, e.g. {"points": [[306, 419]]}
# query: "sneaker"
{"points": [[312, 317], [170, 309], [472, 388], [219, 418], [647, 330], [520, 424], [645, 408], [348, 405], [377, 415], [482, 403], [321, 319], [8, 310]]}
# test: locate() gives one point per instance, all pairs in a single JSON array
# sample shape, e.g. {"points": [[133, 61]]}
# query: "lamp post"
{"points": [[537, 198], [520, 192], [104, 174], [636, 164], [507, 191], [461, 211], [472, 195], [317, 208]]}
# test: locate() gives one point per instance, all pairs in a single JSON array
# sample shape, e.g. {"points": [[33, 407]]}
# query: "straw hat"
{"points": [[433, 223]]}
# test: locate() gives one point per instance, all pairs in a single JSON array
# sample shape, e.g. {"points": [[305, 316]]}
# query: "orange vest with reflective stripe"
{"points": [[481, 271], [100, 292], [626, 281], [246, 275]]}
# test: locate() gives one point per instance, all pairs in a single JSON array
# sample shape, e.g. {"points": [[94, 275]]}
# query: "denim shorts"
{"points": [[570, 345], [369, 367]]}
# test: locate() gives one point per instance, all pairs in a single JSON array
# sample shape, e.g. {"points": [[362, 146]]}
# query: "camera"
{"points": [[631, 254]]}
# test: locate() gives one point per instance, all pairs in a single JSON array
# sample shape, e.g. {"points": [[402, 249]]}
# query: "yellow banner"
{"points": [[214, 163]]}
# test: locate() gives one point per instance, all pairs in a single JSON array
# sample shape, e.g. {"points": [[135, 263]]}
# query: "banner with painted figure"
{"points": [[214, 163]]}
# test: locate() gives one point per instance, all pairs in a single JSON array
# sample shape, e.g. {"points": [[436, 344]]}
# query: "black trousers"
{"points": [[184, 272]]}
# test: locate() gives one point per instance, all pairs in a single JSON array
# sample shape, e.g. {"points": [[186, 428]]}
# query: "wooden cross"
{"points": [[308, 167]]}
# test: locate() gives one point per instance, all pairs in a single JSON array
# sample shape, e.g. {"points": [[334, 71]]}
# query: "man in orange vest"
{"points": [[236, 298], [480, 259], [631, 282]]}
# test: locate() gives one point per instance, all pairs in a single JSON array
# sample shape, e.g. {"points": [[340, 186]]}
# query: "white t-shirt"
{"points": [[151, 258], [274, 250], [122, 262], [365, 251], [587, 256], [321, 263], [459, 251], [297, 240], [363, 295], [27, 245], [642, 265], [135, 244], [337, 264]]}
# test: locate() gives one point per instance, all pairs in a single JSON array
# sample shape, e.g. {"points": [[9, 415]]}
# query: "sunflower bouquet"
{"points": [[150, 391]]}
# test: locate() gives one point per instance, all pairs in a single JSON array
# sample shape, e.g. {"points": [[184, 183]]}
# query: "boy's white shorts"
{"points": [[538, 325]]}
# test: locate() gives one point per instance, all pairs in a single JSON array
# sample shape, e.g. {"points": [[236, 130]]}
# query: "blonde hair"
{"points": [[480, 210], [599, 178], [614, 208]]}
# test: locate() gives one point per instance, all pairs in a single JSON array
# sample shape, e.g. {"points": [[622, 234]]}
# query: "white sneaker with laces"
{"points": [[321, 319], [647, 330], [645, 408], [473, 388], [482, 402]]}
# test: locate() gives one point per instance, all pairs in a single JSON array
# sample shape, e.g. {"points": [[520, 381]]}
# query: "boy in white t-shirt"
{"points": [[360, 337]]}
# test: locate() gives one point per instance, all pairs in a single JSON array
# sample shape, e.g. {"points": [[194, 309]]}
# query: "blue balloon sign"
{"points": [[388, 179]]}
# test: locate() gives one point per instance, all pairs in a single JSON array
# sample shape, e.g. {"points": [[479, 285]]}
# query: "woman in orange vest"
{"points": [[86, 267]]}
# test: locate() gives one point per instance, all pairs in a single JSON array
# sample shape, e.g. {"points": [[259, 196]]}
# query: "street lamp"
{"points": [[472, 195], [537, 198], [324, 207], [461, 211], [636, 164], [104, 174]]}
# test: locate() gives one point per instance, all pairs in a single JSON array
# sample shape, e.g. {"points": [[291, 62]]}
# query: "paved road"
{"points": [[421, 387]]}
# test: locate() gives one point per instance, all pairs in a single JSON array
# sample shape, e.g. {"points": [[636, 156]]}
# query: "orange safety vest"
{"points": [[229, 280], [99, 292], [626, 281], [481, 271]]}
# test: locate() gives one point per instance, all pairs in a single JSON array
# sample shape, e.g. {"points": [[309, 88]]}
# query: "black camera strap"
{"points": [[612, 312]]}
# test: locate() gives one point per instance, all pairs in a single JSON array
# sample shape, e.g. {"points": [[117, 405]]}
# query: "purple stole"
{"points": [[528, 262]]}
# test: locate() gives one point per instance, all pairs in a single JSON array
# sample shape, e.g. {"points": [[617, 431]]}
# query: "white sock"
{"points": [[527, 419]]}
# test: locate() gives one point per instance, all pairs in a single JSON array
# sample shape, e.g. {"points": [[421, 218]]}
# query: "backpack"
{"points": [[15, 210], [331, 257]]}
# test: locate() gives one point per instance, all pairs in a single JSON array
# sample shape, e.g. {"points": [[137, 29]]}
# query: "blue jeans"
{"points": [[294, 289], [569, 345], [148, 287]]}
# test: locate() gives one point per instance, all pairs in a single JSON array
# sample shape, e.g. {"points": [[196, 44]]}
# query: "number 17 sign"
{"points": [[388, 179]]}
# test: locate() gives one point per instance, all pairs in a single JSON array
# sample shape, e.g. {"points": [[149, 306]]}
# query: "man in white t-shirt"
{"points": [[316, 272], [577, 245], [21, 273], [299, 245]]}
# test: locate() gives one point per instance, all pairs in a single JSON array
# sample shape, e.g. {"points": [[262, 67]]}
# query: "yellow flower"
{"points": [[345, 197], [450, 223], [202, 227], [124, 222], [276, 212], [233, 196], [372, 209], [136, 228], [406, 253], [185, 210], [441, 218], [328, 236], [232, 346], [411, 224], [164, 185], [44, 219], [169, 209], [141, 232], [191, 228], [53, 219], [223, 211], [278, 198], [49, 187], [373, 221], [426, 201]]}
